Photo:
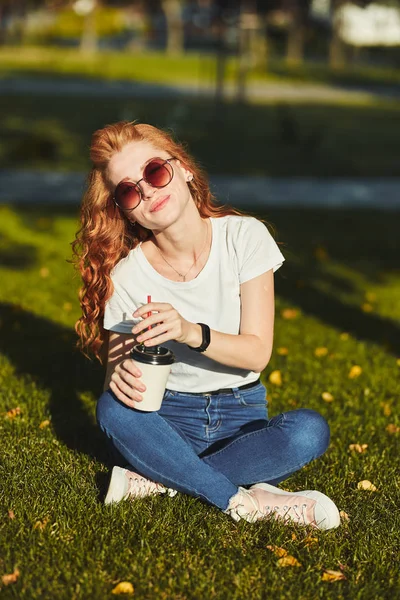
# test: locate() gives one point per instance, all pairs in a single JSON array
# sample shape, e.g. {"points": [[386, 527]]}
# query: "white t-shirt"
{"points": [[242, 248]]}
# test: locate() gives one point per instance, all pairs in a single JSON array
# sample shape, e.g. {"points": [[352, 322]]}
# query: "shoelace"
{"points": [[285, 511], [141, 487]]}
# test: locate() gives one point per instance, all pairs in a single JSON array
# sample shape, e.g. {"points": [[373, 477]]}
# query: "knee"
{"points": [[107, 410], [312, 432]]}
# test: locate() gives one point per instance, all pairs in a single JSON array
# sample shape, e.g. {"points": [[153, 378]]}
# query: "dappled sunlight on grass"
{"points": [[331, 356]]}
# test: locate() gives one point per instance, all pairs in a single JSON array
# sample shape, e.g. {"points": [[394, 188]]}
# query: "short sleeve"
{"points": [[118, 314], [257, 250]]}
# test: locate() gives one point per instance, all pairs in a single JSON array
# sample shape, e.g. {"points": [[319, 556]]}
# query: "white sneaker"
{"points": [[304, 508], [128, 484]]}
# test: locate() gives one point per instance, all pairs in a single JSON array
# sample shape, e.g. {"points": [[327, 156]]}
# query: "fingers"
{"points": [[149, 335], [152, 306], [154, 319], [125, 383]]}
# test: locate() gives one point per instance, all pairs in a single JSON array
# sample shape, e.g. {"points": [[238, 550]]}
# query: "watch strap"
{"points": [[206, 338]]}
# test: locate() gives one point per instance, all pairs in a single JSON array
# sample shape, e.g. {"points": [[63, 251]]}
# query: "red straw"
{"points": [[149, 313]]}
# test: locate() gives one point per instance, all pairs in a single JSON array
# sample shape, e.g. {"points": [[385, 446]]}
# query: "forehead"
{"points": [[131, 160]]}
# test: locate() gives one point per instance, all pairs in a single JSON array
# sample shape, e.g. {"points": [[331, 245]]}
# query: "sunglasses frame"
{"points": [[139, 189]]}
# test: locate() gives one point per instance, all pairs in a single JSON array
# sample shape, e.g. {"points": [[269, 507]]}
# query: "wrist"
{"points": [[205, 338], [195, 336]]}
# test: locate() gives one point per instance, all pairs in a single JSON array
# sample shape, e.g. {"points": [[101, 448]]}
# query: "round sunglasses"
{"points": [[158, 173]]}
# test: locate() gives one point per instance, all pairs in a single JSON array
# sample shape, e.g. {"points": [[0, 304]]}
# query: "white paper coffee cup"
{"points": [[155, 365]]}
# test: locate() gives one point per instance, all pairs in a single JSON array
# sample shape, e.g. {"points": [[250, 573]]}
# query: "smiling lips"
{"points": [[159, 204]]}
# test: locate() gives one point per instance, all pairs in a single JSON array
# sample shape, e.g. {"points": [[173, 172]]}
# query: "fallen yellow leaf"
{"points": [[44, 424], [370, 296], [327, 396], [366, 485], [355, 371], [67, 306], [387, 410], [124, 587], [358, 447], [310, 541], [11, 514], [290, 313], [44, 272], [392, 428], [41, 524], [321, 351], [277, 550], [330, 575], [366, 307], [275, 378], [398, 362], [11, 578], [294, 536], [11, 414], [288, 561], [282, 351], [344, 515]]}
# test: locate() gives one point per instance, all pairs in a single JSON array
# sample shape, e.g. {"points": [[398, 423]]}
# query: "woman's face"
{"points": [[160, 207]]}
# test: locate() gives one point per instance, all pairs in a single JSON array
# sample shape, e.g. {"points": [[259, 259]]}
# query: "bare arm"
{"points": [[251, 349]]}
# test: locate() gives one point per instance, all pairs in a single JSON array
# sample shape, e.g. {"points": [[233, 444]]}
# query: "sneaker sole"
{"points": [[117, 487], [328, 516]]}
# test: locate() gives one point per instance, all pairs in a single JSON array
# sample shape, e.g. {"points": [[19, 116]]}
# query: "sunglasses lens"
{"points": [[158, 173], [127, 196]]}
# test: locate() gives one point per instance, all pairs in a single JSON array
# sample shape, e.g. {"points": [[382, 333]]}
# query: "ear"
{"points": [[186, 173]]}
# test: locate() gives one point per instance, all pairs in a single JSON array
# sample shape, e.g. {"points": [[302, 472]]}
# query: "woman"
{"points": [[150, 226]]}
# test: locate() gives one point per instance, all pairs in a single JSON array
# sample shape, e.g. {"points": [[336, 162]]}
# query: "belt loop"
{"points": [[236, 392]]}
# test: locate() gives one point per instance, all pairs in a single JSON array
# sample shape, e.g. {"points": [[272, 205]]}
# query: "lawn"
{"points": [[341, 283], [194, 67], [53, 132]]}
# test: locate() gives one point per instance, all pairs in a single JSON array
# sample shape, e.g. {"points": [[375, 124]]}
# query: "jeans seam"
{"points": [[246, 435]]}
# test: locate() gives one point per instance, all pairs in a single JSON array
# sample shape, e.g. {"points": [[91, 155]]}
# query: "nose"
{"points": [[147, 190]]}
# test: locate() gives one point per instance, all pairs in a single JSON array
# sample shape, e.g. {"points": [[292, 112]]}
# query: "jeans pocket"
{"points": [[255, 397]]}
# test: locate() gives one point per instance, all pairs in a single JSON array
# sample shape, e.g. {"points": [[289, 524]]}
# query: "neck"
{"points": [[184, 239]]}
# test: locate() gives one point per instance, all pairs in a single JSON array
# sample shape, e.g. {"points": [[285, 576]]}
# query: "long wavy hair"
{"points": [[106, 235]]}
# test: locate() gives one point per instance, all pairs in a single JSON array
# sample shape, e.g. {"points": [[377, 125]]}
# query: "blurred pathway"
{"points": [[18, 187], [255, 91]]}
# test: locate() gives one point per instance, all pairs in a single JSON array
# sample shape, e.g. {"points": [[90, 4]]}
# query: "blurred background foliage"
{"points": [[286, 87]]}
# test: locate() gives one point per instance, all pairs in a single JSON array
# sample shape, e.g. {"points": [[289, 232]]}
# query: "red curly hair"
{"points": [[106, 235]]}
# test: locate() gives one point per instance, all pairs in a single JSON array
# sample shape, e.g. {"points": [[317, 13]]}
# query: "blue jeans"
{"points": [[206, 446]]}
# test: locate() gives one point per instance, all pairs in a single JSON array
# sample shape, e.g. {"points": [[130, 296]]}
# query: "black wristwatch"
{"points": [[205, 330]]}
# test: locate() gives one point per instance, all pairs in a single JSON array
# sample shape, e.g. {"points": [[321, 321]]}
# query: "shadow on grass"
{"points": [[279, 139], [16, 256], [45, 351], [362, 241]]}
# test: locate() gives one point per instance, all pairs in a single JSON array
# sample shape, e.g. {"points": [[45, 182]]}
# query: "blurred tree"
{"points": [[298, 11], [173, 17], [337, 49], [89, 39]]}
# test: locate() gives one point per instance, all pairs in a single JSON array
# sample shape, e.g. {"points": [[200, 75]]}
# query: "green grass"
{"points": [[159, 67], [54, 132], [178, 548]]}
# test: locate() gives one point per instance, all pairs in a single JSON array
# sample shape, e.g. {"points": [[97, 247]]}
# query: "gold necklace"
{"points": [[196, 259]]}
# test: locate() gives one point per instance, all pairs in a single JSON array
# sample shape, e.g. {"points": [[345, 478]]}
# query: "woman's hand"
{"points": [[162, 323], [125, 382]]}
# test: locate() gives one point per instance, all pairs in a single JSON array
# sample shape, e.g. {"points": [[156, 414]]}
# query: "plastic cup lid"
{"points": [[156, 355]]}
